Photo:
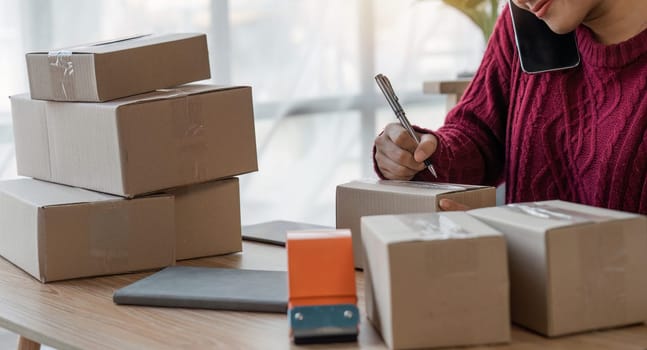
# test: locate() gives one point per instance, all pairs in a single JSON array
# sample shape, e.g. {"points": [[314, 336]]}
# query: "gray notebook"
{"points": [[273, 232], [209, 288]]}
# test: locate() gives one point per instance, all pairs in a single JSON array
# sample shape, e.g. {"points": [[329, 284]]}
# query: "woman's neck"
{"points": [[615, 21]]}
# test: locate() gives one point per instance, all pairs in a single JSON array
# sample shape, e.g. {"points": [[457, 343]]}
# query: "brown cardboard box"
{"points": [[119, 68], [55, 232], [573, 267], [435, 280], [207, 219], [140, 144], [379, 197]]}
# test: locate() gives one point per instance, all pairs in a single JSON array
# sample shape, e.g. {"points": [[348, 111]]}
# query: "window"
{"points": [[311, 65]]}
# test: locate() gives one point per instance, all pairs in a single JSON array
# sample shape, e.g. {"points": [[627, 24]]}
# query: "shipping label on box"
{"points": [[573, 267], [207, 219], [113, 69], [140, 144], [435, 280], [379, 197], [56, 232]]}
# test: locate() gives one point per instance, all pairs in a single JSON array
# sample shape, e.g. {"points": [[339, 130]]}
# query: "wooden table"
{"points": [[80, 314], [454, 89]]}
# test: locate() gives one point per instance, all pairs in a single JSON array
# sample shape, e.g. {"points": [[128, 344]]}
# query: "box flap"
{"points": [[44, 194], [118, 44], [161, 94], [428, 227], [547, 215], [409, 187], [583, 212], [31, 137], [27, 97], [176, 92]]}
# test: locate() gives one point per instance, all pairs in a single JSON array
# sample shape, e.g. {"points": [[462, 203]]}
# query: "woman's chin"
{"points": [[560, 27]]}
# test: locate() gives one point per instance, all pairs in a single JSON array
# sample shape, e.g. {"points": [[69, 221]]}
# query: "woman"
{"points": [[578, 135]]}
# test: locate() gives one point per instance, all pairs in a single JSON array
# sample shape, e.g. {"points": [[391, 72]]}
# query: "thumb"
{"points": [[451, 205], [426, 148]]}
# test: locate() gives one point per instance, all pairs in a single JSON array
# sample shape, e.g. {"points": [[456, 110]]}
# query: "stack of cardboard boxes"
{"points": [[148, 163], [438, 279]]}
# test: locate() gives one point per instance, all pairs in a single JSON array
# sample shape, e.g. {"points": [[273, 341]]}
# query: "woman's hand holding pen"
{"points": [[399, 158], [397, 155]]}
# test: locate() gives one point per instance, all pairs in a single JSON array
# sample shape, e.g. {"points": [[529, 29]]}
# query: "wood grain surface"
{"points": [[456, 87], [80, 314]]}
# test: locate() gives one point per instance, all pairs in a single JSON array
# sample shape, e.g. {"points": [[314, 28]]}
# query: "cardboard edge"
{"points": [[123, 153], [466, 188], [178, 93], [189, 35], [549, 329], [116, 199], [41, 238], [385, 250]]}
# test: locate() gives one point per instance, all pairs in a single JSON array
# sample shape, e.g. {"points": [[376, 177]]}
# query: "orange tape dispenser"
{"points": [[322, 306]]}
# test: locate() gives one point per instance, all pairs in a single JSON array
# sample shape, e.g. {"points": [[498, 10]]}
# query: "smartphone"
{"points": [[541, 49]]}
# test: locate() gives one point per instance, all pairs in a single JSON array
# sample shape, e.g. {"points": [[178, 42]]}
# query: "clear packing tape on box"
{"points": [[61, 71], [190, 134], [61, 67], [547, 211], [115, 240], [189, 131], [418, 184], [433, 226]]}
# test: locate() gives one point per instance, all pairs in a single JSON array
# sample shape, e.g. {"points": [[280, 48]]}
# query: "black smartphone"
{"points": [[541, 49]]}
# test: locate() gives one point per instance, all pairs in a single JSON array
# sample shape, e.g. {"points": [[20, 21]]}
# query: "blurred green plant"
{"points": [[483, 13]]}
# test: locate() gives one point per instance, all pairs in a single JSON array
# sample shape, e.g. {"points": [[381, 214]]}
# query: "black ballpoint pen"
{"points": [[385, 85]]}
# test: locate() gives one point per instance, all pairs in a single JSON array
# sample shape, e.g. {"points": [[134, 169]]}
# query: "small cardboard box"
{"points": [[56, 232], [113, 69], [140, 144], [435, 280], [207, 219], [573, 267], [381, 197]]}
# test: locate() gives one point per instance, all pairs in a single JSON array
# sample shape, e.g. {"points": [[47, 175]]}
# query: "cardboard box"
{"points": [[207, 219], [55, 232], [113, 69], [435, 280], [573, 267], [137, 145], [380, 197]]}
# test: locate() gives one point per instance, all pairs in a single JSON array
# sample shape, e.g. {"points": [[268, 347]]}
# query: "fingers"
{"points": [[426, 148], [399, 136], [395, 152], [393, 161], [398, 155], [452, 205], [392, 170]]}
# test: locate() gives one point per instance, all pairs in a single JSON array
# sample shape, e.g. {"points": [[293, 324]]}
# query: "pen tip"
{"points": [[432, 171]]}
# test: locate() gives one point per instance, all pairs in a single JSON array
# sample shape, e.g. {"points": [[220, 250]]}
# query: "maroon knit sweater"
{"points": [[578, 135]]}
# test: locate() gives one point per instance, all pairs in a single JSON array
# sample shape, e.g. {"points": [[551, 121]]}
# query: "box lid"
{"points": [[427, 227], [547, 215], [408, 187], [119, 44], [161, 94], [176, 92], [44, 194]]}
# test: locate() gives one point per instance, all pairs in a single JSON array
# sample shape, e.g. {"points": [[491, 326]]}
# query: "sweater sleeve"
{"points": [[471, 143]]}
